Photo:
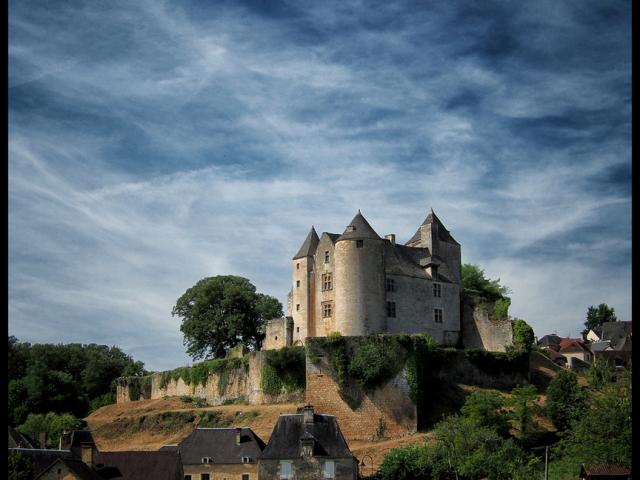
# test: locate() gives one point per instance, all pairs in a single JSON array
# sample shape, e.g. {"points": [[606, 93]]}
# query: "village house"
{"points": [[219, 454], [307, 446]]}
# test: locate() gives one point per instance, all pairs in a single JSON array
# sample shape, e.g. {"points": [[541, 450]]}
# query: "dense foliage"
{"points": [[64, 378], [53, 424], [283, 369], [523, 336], [598, 315], [221, 312], [473, 280], [19, 467], [566, 400]]}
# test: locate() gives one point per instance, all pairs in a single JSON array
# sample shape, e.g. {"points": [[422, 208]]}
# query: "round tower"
{"points": [[360, 307]]}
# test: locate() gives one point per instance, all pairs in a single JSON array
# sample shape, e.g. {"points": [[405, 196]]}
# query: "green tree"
{"points": [[598, 315], [486, 409], [19, 467], [565, 399], [501, 309], [601, 374], [221, 312], [405, 463], [523, 336], [523, 402], [604, 435], [473, 279], [53, 424]]}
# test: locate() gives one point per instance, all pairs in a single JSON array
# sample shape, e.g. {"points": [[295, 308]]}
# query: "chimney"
{"points": [[42, 439], [307, 414], [87, 453], [238, 435], [391, 237]]}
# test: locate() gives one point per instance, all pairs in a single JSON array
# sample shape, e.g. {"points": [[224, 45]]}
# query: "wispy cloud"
{"points": [[153, 143]]}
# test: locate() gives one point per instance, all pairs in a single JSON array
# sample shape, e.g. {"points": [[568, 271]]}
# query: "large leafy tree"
{"points": [[598, 315], [221, 312], [565, 399], [487, 409], [523, 336]]}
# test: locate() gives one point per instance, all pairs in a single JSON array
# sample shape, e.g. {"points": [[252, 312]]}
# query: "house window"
{"points": [[437, 315], [329, 469], [359, 243], [326, 256], [437, 290], [297, 283], [297, 266], [204, 476], [187, 477], [245, 476], [297, 307], [326, 309], [285, 470], [391, 309], [327, 283], [391, 285]]}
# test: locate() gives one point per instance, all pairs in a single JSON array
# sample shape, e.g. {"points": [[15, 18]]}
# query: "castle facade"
{"points": [[359, 283]]}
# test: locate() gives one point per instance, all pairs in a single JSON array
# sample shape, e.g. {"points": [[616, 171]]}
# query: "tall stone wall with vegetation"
{"points": [[480, 327], [274, 376], [389, 385]]}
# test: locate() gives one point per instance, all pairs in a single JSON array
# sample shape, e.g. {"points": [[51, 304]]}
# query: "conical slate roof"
{"points": [[309, 245], [359, 229], [443, 233]]}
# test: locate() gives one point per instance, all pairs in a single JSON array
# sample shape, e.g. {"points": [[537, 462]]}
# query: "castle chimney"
{"points": [[87, 453], [391, 237], [238, 435], [307, 413], [42, 439]]}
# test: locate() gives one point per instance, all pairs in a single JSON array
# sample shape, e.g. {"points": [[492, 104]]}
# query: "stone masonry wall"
{"points": [[240, 385], [479, 331]]}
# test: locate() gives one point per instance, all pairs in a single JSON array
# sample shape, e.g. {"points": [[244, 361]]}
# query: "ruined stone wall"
{"points": [[241, 385], [479, 330]]}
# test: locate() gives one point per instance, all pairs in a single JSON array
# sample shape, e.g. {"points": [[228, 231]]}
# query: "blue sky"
{"points": [[153, 143]]}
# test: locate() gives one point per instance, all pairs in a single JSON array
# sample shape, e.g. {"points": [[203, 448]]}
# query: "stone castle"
{"points": [[359, 283]]}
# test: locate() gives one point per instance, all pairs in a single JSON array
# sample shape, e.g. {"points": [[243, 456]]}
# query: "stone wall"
{"points": [[241, 385], [479, 330]]}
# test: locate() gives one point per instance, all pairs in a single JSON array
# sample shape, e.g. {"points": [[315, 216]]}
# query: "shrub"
{"points": [[283, 369]]}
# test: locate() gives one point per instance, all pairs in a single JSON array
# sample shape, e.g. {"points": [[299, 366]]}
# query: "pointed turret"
{"points": [[442, 233], [358, 229], [309, 245]]}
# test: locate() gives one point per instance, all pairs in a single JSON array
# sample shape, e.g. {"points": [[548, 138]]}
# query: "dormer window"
{"points": [[246, 459], [207, 460]]}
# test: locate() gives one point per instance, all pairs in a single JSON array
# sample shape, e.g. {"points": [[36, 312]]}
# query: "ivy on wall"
{"points": [[137, 386], [283, 369], [199, 373]]}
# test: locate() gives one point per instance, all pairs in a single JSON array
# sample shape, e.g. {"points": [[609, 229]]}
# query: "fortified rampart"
{"points": [[241, 379], [406, 400], [479, 330]]}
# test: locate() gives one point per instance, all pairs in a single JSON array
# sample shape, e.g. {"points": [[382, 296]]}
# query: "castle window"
{"points": [[391, 309], [297, 283], [359, 243], [298, 329], [326, 256], [437, 315], [285, 469], [327, 283], [327, 309], [276, 337], [297, 266], [437, 290], [329, 469], [391, 285], [297, 307]]}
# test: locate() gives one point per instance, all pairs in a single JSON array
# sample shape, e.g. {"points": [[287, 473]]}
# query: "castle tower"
{"points": [[302, 297], [359, 279]]}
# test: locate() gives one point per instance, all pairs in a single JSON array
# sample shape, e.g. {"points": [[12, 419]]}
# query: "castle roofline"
{"points": [[359, 229], [309, 245], [443, 233]]}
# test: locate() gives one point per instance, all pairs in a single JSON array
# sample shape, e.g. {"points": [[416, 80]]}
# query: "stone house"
{"points": [[142, 465], [307, 446], [358, 283], [220, 454], [574, 349], [69, 469]]}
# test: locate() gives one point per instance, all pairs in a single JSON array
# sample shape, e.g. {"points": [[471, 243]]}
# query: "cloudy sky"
{"points": [[153, 143]]}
